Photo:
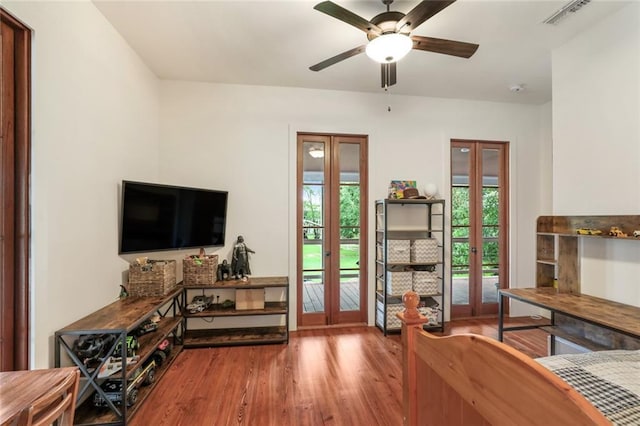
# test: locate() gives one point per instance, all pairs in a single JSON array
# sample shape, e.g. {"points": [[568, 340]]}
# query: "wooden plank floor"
{"points": [[332, 376]]}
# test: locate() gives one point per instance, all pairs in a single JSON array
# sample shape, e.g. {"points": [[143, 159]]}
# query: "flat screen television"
{"points": [[162, 217]]}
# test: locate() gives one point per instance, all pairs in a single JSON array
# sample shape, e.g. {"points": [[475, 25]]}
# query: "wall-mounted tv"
{"points": [[163, 217]]}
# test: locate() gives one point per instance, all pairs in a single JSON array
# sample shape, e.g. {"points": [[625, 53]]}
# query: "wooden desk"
{"points": [[19, 389], [603, 313]]}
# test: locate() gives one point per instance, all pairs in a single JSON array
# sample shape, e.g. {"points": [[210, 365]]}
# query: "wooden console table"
{"points": [[602, 313]]}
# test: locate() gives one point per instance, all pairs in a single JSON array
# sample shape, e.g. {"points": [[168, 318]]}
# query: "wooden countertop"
{"points": [[19, 389], [121, 315], [602, 312]]}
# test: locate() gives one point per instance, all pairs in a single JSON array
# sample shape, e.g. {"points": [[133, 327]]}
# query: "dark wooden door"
{"points": [[14, 192], [332, 229], [479, 226]]}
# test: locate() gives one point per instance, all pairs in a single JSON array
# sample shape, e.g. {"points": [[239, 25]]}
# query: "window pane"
{"points": [[349, 205], [349, 254], [349, 291], [312, 254], [349, 163], [313, 288], [460, 215], [313, 162], [490, 206]]}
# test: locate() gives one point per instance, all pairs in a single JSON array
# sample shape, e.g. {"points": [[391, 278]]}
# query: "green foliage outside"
{"points": [[460, 229], [349, 226], [312, 256], [350, 216]]}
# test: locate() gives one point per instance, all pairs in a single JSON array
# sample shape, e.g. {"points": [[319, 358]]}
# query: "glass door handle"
{"points": [[327, 253], [474, 250]]}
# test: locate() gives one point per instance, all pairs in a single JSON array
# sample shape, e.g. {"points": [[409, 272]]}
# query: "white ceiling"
{"points": [[273, 43]]}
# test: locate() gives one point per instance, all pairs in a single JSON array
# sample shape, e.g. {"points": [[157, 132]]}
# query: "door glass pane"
{"points": [[313, 298], [349, 226], [313, 227], [490, 225], [460, 223], [313, 162]]}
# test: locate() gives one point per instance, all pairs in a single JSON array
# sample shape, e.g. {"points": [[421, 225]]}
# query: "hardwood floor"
{"points": [[334, 376]]}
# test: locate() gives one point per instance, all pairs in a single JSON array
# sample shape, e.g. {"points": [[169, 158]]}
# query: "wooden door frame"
{"points": [[337, 316], [476, 307], [332, 311], [15, 79]]}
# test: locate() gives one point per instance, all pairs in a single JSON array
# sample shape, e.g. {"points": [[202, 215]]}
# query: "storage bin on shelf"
{"points": [[152, 277], [398, 251], [392, 309], [425, 251], [399, 282], [425, 282], [200, 270]]}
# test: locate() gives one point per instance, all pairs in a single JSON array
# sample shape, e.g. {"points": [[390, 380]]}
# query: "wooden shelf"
{"points": [[270, 308], [118, 320], [580, 341], [122, 315], [251, 283], [239, 336], [235, 336], [88, 414], [567, 225]]}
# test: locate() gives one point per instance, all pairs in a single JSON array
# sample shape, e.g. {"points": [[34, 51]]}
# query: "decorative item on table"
{"points": [[224, 271], [431, 191], [413, 194], [200, 269], [400, 186], [240, 261], [636, 233], [616, 232], [151, 277]]}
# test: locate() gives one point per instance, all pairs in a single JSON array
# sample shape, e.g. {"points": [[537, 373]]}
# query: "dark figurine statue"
{"points": [[240, 261], [224, 271]]}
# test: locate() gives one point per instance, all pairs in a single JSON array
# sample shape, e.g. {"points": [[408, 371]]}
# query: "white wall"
{"points": [[94, 123], [242, 139], [596, 132]]}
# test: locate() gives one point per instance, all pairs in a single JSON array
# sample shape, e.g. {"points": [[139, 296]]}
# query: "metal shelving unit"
{"points": [[406, 229], [114, 323]]}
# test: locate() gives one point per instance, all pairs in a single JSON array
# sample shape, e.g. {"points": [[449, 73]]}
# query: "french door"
{"points": [[15, 44], [331, 229], [479, 226]]}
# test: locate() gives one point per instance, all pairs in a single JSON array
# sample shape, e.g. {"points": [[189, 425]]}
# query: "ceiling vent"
{"points": [[570, 7]]}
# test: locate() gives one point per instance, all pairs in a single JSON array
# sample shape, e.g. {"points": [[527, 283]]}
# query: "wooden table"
{"points": [[19, 389], [603, 313]]}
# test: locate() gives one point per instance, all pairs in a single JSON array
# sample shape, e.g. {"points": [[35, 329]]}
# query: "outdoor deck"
{"points": [[350, 295]]}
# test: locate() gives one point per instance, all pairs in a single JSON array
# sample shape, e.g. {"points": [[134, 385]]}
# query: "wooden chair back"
{"points": [[56, 406]]}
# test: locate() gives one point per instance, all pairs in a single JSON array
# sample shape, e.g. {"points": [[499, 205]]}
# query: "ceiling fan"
{"points": [[389, 36]]}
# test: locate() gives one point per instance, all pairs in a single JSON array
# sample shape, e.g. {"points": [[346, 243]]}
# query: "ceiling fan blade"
{"points": [[423, 11], [388, 74], [447, 47], [339, 12], [341, 57]]}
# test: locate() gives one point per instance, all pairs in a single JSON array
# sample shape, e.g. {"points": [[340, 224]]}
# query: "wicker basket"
{"points": [[155, 278], [200, 270]]}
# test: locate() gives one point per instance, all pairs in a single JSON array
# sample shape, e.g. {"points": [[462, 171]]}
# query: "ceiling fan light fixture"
{"points": [[389, 48]]}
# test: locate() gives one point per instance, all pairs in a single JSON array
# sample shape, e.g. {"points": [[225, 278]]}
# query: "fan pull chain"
{"points": [[386, 89]]}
